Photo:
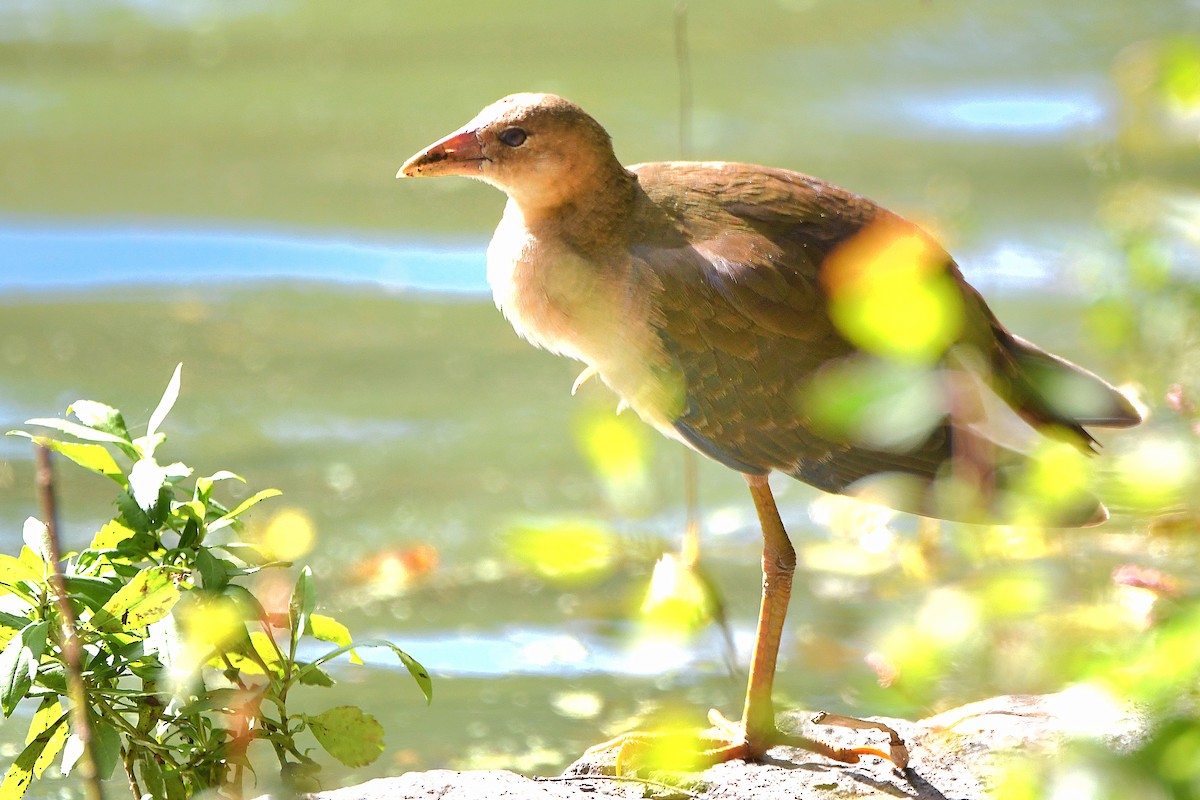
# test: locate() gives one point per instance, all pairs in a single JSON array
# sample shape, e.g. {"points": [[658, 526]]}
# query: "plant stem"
{"points": [[44, 479]]}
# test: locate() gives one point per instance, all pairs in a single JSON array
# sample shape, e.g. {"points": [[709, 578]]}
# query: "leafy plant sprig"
{"points": [[183, 667]]}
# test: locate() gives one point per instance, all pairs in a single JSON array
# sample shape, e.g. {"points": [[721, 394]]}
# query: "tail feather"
{"points": [[1056, 396]]}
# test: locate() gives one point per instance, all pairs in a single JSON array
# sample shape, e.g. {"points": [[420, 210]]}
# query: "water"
{"points": [[213, 185]]}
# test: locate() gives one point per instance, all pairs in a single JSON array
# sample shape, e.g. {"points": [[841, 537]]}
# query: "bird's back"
{"points": [[738, 257]]}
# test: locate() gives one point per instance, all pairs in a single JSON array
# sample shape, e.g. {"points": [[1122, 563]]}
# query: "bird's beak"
{"points": [[460, 153]]}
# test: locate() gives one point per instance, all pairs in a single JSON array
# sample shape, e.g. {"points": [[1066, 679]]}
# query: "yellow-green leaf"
{"points": [[328, 629], [266, 651], [13, 570], [228, 519], [147, 598], [49, 724], [110, 536], [347, 734]]}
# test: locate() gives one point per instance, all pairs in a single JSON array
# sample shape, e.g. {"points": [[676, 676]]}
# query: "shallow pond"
{"points": [[212, 184]]}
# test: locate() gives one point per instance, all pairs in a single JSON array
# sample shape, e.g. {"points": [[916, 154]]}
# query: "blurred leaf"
{"points": [[890, 293], [289, 534], [878, 403], [566, 550], [617, 448], [352, 737], [210, 622], [1157, 474], [680, 599], [1180, 79]]}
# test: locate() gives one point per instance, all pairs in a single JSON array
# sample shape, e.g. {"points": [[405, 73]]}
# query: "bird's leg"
{"points": [[751, 738], [778, 567]]}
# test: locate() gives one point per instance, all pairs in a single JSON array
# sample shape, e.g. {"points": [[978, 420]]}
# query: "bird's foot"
{"points": [[729, 741]]}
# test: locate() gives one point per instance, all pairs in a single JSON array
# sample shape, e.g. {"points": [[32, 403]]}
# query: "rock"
{"points": [[956, 755]]}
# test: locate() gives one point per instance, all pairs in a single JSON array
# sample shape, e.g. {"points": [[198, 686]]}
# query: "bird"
{"points": [[714, 298]]}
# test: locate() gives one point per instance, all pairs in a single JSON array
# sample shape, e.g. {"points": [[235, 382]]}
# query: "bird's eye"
{"points": [[513, 137]]}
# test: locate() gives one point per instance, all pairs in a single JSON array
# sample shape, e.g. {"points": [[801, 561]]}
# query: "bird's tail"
{"points": [[1056, 397]]}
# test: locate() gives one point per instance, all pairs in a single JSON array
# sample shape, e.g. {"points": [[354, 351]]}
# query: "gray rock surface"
{"points": [[955, 755]]}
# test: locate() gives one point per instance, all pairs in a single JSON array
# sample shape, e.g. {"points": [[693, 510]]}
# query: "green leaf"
{"points": [[146, 479], [147, 598], [92, 457], [10, 626], [166, 403], [250, 553], [19, 664], [316, 677], [328, 629], [101, 417], [13, 571], [301, 604], [53, 676], [48, 726], [36, 536], [418, 672], [228, 519], [347, 734], [92, 590], [190, 535], [106, 749], [32, 760], [110, 536], [214, 572], [204, 485], [72, 429], [132, 513]]}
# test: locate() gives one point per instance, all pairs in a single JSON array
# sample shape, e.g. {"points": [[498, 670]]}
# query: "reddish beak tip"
{"points": [[460, 153]]}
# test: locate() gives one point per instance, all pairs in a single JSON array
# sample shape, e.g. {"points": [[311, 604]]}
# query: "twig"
{"points": [[683, 64], [44, 479]]}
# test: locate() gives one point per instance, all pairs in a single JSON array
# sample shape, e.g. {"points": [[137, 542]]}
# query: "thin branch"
{"points": [[80, 722], [683, 64]]}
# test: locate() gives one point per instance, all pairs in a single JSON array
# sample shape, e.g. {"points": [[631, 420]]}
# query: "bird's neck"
{"points": [[593, 213]]}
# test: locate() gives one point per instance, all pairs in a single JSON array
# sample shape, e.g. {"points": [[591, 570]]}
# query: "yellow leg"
{"points": [[756, 733]]}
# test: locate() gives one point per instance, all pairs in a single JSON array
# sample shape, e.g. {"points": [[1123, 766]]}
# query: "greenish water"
{"points": [[402, 420]]}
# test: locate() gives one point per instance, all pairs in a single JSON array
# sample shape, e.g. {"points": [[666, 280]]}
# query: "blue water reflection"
{"points": [[40, 257], [43, 256]]}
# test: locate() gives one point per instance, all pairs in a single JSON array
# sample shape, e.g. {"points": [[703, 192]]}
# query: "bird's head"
{"points": [[537, 148]]}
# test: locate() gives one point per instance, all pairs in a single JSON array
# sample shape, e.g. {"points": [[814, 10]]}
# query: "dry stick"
{"points": [[44, 479]]}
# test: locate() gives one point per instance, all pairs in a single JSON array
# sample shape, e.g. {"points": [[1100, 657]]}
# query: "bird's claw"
{"points": [[897, 750], [728, 741]]}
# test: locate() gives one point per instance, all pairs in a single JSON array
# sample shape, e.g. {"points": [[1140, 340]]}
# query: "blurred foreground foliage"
{"points": [[182, 666]]}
